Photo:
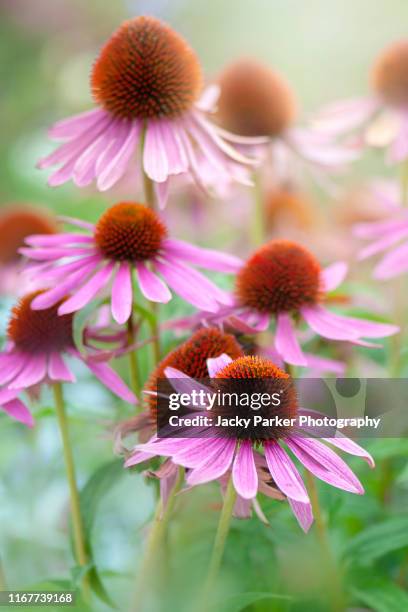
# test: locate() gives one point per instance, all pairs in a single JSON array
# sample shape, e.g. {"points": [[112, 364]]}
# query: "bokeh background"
{"points": [[325, 48]]}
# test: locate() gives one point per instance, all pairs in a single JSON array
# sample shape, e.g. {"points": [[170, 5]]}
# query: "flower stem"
{"points": [[335, 589], [133, 363], [79, 539], [3, 582], [220, 539], [155, 541], [258, 220]]}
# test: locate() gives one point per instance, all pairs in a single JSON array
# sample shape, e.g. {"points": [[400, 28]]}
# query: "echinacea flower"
{"points": [[390, 235], [210, 457], [283, 281], [257, 101], [146, 83], [18, 221], [128, 237], [379, 120], [37, 344]]}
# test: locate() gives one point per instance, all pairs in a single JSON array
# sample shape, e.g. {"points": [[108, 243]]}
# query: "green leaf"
{"points": [[381, 596], [148, 315], [242, 600], [378, 540]]}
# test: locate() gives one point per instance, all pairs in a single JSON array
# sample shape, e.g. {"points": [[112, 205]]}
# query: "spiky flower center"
{"points": [[281, 276], [191, 358], [390, 74], [15, 225], [255, 100], [39, 331], [129, 231], [256, 376], [146, 71]]}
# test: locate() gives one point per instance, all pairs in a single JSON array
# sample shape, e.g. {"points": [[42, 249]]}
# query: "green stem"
{"points": [[335, 589], [133, 363], [3, 582], [155, 541], [79, 539], [220, 539], [257, 217]]}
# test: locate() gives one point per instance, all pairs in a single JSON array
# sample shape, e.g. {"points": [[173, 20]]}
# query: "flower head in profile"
{"points": [[388, 235], [38, 342], [16, 223], [128, 237], [146, 83], [257, 101], [248, 452], [379, 120], [283, 282]]}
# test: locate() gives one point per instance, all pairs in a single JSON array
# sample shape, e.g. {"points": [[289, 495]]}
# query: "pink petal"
{"points": [[344, 115], [327, 324], [399, 147], [183, 383], [215, 364], [57, 369], [334, 275], [197, 452], [303, 513], [54, 253], [19, 411], [349, 446], [214, 465], [324, 364], [383, 243], [122, 296], [369, 329], [117, 166], [244, 474], [176, 155], [286, 342], [138, 457], [325, 464], [162, 193], [12, 366], [75, 125], [187, 286], [111, 380], [205, 258], [88, 291], [154, 153], [393, 264], [284, 472], [52, 296], [152, 287], [47, 240], [33, 372]]}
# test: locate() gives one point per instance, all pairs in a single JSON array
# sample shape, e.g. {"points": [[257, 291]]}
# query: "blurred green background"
{"points": [[325, 49]]}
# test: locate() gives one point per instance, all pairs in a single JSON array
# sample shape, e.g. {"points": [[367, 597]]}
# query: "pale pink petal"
{"points": [[325, 464], [327, 324], [152, 287], [54, 253], [183, 383], [369, 329], [208, 99], [85, 167], [88, 291], [286, 342], [58, 370], [122, 296], [176, 155], [383, 243], [378, 229], [345, 115], [215, 464], [303, 513], [33, 372], [162, 193], [215, 364], [50, 240], [351, 447], [154, 153], [77, 222], [284, 472], [187, 286], [118, 164], [398, 151], [393, 264], [244, 474], [12, 366], [205, 258], [333, 275], [19, 411], [138, 457], [75, 125], [324, 364], [111, 380], [207, 128], [193, 455]]}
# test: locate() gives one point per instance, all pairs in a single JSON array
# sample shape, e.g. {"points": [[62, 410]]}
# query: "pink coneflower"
{"points": [[257, 101], [379, 120], [37, 344], [128, 237], [16, 223], [283, 281], [390, 234], [146, 82], [210, 458]]}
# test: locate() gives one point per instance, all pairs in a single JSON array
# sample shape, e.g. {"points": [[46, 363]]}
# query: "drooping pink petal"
{"points": [[118, 164], [327, 324], [303, 513], [45, 254], [138, 457], [286, 342], [205, 258], [284, 472], [51, 240], [183, 383], [393, 264], [122, 295], [378, 229], [75, 125], [155, 161], [215, 464], [33, 372], [383, 243], [215, 364], [88, 291], [58, 370], [162, 193], [324, 364], [167, 447], [19, 411], [325, 464], [370, 329], [196, 453], [76, 222], [207, 128], [13, 364], [85, 167], [351, 447], [187, 287], [333, 275], [398, 151], [244, 474], [111, 380], [50, 271], [176, 155], [345, 115], [152, 287]]}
